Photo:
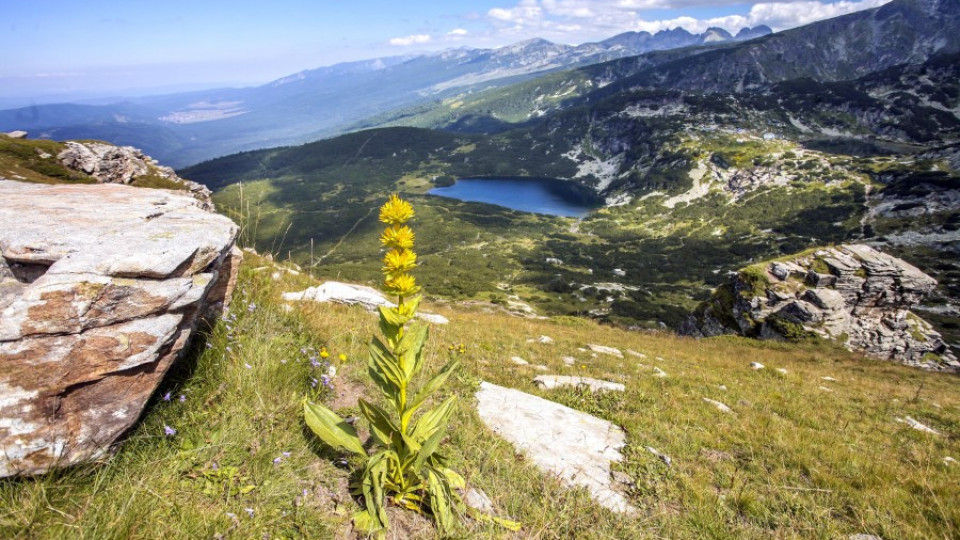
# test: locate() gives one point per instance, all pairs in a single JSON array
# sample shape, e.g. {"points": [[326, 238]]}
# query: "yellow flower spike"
{"points": [[397, 236], [402, 285], [396, 211], [399, 260]]}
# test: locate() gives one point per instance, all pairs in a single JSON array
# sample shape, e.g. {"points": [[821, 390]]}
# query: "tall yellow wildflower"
{"points": [[401, 258]]}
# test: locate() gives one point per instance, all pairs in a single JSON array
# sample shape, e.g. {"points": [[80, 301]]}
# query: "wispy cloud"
{"points": [[583, 20], [457, 32], [416, 39]]}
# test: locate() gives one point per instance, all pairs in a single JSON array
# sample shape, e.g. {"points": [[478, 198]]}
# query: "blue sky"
{"points": [[97, 47]]}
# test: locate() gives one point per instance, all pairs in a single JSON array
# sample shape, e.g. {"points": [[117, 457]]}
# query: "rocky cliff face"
{"points": [[101, 287], [111, 164], [853, 294]]}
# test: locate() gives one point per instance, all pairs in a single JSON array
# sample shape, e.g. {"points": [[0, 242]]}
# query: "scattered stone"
{"points": [[830, 379], [632, 352], [852, 293], [917, 425], [549, 382], [540, 367], [545, 339], [949, 460], [657, 372], [569, 360], [781, 370], [622, 478], [574, 446], [519, 361], [722, 387], [864, 537], [825, 389], [346, 293], [18, 134], [603, 349], [478, 500], [720, 406], [661, 456], [660, 359], [756, 365], [101, 288]]}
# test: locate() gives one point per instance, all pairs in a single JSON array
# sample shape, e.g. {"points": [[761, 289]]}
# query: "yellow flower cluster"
{"points": [[398, 238]]}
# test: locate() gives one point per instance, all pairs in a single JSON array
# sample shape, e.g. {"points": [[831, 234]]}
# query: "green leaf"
{"points": [[331, 429], [384, 370], [381, 425], [432, 386], [440, 497], [374, 475], [410, 348], [454, 478], [428, 448], [434, 420]]}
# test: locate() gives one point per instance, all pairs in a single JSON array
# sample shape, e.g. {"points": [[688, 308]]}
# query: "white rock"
{"points": [[549, 382], [519, 361], [346, 293], [864, 537], [569, 360], [540, 367], [657, 372], [825, 389], [603, 349], [663, 457], [632, 352], [781, 370], [720, 406], [831, 379], [571, 445], [478, 500], [545, 339], [756, 365], [917, 425], [949, 460]]}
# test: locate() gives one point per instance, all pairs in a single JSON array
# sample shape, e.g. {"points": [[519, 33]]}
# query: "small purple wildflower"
{"points": [[229, 349], [277, 460], [286, 454], [251, 308], [314, 362], [169, 431], [326, 380], [166, 397], [248, 366], [209, 345], [249, 511], [182, 398], [313, 382]]}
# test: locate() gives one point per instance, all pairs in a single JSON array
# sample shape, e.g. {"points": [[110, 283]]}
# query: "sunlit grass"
{"points": [[801, 457]]}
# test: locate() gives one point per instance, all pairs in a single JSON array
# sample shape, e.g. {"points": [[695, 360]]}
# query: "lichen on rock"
{"points": [[852, 294]]}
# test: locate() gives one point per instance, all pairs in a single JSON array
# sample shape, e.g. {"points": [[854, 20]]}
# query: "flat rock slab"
{"points": [[572, 445], [550, 382], [348, 293], [603, 349], [101, 287]]}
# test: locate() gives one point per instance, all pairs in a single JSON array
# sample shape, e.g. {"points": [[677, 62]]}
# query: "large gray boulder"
{"points": [[851, 293], [111, 164], [101, 288]]}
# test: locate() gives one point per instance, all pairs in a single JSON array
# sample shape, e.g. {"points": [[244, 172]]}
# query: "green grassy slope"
{"points": [[801, 457]]}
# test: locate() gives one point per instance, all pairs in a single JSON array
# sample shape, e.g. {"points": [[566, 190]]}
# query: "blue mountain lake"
{"points": [[539, 195]]}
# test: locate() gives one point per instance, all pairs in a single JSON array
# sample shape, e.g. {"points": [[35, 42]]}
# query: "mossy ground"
{"points": [[801, 457]]}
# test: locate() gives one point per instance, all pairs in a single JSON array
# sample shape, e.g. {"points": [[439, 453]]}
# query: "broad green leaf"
{"points": [[381, 425], [505, 523], [393, 315], [432, 386], [440, 497], [434, 420], [373, 478], [454, 478], [410, 349], [364, 522], [384, 371], [428, 448], [331, 429]]}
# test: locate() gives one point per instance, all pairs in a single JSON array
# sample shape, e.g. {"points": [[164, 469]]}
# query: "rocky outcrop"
{"points": [[346, 293], [111, 164], [101, 287], [852, 293]]}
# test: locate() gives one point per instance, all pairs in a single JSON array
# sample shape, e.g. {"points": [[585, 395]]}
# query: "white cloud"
{"points": [[457, 32], [575, 21], [416, 39]]}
